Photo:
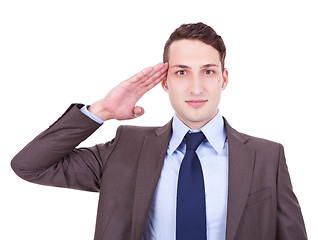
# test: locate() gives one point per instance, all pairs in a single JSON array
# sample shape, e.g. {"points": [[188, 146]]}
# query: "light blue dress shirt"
{"points": [[213, 155], [91, 115]]}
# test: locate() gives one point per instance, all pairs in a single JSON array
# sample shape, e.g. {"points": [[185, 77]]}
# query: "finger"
{"points": [[138, 111], [153, 74], [151, 83], [145, 89], [139, 76], [158, 80], [158, 74], [147, 73], [159, 66], [140, 80]]}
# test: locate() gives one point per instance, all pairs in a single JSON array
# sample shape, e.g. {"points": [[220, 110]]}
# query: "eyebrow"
{"points": [[188, 67]]}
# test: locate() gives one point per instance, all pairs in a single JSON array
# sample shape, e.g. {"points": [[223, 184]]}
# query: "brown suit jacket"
{"points": [[261, 202]]}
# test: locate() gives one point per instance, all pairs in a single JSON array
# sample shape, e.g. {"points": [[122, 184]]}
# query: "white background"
{"points": [[54, 53]]}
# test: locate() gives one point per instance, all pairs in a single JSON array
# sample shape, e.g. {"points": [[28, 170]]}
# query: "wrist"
{"points": [[99, 111]]}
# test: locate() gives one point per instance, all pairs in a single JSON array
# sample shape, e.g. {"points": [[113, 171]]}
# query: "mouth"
{"points": [[196, 102]]}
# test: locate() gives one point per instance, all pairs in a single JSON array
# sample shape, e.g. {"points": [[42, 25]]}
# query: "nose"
{"points": [[196, 87]]}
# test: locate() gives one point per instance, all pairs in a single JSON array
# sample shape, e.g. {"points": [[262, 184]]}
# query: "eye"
{"points": [[209, 72], [181, 72]]}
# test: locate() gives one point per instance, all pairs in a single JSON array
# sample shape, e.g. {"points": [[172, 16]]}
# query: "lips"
{"points": [[196, 102]]}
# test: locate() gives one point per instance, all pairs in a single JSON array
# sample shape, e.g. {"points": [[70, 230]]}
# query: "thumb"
{"points": [[138, 111]]}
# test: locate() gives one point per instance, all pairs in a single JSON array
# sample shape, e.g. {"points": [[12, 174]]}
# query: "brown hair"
{"points": [[197, 31]]}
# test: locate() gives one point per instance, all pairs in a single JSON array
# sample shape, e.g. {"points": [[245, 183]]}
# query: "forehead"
{"points": [[192, 51]]}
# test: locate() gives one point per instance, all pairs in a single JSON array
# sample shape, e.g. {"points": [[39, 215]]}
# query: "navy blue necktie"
{"points": [[191, 213]]}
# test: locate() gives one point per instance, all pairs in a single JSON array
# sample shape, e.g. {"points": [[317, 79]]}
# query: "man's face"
{"points": [[194, 81]]}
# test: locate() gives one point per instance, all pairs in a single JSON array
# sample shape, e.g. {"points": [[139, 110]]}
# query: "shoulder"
{"points": [[264, 147], [137, 132], [261, 142], [139, 129], [258, 143], [131, 138]]}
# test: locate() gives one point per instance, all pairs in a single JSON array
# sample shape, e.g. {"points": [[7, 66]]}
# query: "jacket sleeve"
{"points": [[290, 223], [53, 159]]}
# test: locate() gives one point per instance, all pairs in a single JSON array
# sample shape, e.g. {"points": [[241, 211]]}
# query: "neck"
{"points": [[196, 125]]}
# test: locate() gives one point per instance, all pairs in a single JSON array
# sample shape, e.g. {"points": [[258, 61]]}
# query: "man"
{"points": [[238, 189]]}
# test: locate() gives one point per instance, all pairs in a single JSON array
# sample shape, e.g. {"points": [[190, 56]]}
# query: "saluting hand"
{"points": [[120, 102]]}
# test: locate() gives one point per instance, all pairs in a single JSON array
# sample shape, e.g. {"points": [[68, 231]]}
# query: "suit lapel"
{"points": [[149, 168], [241, 162]]}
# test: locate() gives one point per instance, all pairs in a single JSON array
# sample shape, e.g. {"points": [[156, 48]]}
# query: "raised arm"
{"points": [[52, 157]]}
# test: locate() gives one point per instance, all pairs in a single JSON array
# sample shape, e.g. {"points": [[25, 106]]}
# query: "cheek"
{"points": [[176, 95], [176, 89], [215, 92], [177, 81]]}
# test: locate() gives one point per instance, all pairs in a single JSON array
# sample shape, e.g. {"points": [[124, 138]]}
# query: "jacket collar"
{"points": [[241, 162]]}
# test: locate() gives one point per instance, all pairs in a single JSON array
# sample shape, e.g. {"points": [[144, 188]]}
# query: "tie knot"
{"points": [[193, 140]]}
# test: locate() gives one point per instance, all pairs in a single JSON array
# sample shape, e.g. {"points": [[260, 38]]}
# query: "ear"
{"points": [[225, 78], [164, 84]]}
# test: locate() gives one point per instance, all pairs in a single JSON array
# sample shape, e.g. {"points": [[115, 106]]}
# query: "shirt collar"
{"points": [[214, 131]]}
